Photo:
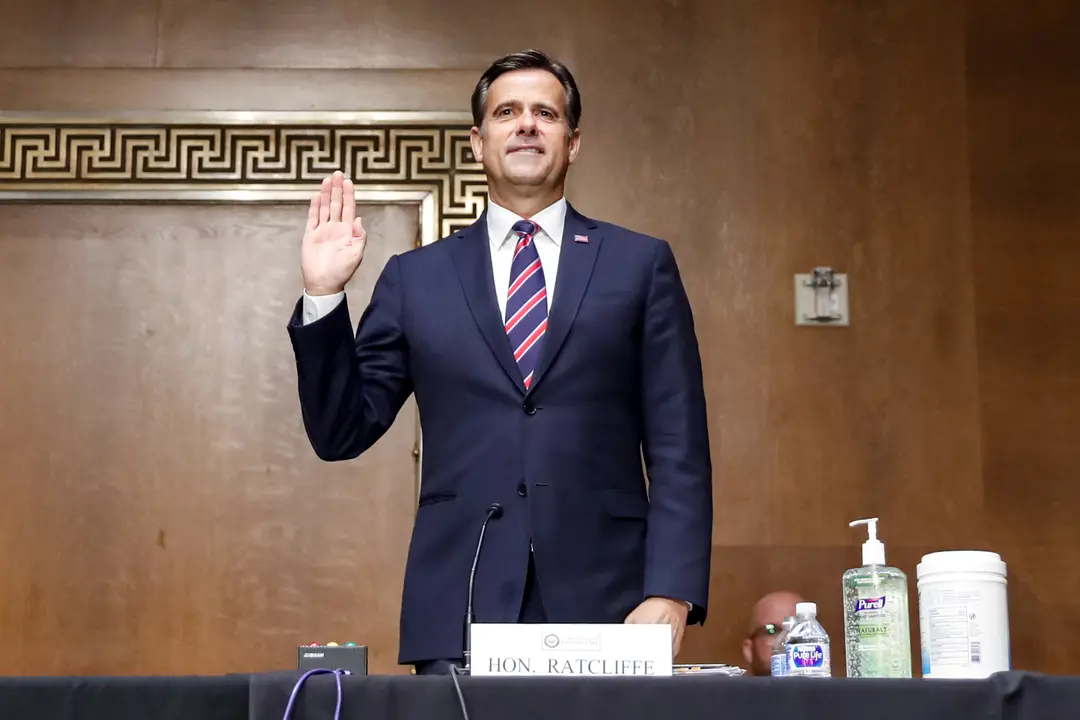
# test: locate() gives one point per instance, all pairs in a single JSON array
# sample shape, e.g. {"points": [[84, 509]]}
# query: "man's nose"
{"points": [[526, 124]]}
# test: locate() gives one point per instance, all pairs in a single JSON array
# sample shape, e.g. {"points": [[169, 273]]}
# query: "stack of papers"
{"points": [[707, 669]]}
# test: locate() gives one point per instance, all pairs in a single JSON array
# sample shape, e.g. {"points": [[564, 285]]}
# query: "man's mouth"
{"points": [[527, 149]]}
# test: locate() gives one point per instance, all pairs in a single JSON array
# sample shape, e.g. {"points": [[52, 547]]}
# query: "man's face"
{"points": [[524, 140], [762, 644], [768, 618]]}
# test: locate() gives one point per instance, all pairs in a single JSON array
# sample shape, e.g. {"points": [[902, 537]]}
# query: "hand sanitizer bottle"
{"points": [[876, 626]]}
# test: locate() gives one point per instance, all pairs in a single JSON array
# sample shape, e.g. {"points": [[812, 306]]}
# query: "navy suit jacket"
{"points": [[618, 386]]}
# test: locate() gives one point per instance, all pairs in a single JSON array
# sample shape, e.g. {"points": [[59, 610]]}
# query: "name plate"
{"points": [[571, 650]]}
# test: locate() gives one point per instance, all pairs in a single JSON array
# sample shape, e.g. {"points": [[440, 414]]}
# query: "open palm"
{"points": [[334, 238]]}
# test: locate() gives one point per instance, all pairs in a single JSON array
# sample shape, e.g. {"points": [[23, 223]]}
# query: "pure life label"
{"points": [[570, 650], [806, 656]]}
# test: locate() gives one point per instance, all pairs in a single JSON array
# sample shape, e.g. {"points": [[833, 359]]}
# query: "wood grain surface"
{"points": [[163, 511]]}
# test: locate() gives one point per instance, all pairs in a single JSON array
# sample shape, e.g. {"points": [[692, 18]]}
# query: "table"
{"points": [[125, 698], [264, 696]]}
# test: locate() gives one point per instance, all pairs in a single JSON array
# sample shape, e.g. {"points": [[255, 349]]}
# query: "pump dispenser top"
{"points": [[873, 550]]}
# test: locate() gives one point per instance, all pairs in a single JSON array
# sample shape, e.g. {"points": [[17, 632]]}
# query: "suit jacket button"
{"points": [[529, 408], [523, 489]]}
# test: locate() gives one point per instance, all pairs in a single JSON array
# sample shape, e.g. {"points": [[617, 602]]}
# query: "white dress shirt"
{"points": [[500, 223]]}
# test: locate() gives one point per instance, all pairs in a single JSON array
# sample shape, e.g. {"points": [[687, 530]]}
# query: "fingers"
{"points": [[677, 631], [358, 230], [335, 197], [313, 212], [324, 200], [677, 627], [348, 209], [335, 201]]}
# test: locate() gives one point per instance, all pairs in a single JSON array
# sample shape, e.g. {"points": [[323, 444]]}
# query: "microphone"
{"points": [[493, 513]]}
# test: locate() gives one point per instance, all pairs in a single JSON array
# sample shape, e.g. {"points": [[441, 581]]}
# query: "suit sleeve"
{"points": [[352, 388], [676, 444]]}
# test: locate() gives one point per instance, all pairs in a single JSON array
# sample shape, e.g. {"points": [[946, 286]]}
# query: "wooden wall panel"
{"points": [[348, 34], [852, 157], [163, 511], [1024, 99], [78, 33], [832, 133], [102, 91]]}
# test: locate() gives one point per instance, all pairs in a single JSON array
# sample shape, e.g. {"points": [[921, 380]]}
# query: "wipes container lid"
{"points": [[960, 561]]}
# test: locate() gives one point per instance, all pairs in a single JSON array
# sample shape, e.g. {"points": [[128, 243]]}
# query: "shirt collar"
{"points": [[500, 221]]}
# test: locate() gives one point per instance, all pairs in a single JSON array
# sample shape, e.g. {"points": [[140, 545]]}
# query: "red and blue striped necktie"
{"points": [[526, 301]]}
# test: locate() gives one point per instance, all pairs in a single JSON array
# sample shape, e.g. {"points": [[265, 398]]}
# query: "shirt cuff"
{"points": [[316, 307], [689, 605]]}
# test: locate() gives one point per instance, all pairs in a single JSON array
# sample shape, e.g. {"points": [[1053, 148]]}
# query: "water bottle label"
{"points": [[779, 665], [807, 656]]}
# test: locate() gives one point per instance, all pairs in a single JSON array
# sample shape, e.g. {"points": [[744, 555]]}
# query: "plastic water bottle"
{"points": [[779, 648], [808, 645]]}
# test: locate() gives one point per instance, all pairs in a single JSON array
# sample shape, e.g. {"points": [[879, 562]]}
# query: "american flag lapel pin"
{"points": [[581, 238]]}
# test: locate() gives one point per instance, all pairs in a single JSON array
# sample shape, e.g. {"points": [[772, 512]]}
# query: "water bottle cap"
{"points": [[806, 608]]}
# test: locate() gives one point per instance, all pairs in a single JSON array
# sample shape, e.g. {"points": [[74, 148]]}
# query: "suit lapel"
{"points": [[576, 260], [472, 257]]}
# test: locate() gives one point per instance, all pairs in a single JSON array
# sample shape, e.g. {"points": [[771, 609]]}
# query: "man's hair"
{"points": [[528, 60]]}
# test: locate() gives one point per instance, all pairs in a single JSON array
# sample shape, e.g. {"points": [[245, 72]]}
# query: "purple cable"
{"points": [[317, 671]]}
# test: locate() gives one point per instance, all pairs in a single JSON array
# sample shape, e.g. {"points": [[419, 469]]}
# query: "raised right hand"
{"points": [[334, 238]]}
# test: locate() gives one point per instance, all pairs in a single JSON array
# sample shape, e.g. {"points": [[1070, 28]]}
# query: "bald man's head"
{"points": [[773, 608], [765, 619]]}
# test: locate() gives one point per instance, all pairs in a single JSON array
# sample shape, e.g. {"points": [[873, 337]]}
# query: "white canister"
{"points": [[963, 614]]}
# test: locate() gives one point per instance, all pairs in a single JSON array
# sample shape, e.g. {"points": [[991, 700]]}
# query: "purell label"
{"points": [[806, 656], [865, 604]]}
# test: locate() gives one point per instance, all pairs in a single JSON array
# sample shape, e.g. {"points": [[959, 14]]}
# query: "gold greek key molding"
{"points": [[246, 156]]}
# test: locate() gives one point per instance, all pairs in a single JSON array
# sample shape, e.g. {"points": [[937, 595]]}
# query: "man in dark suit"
{"points": [[550, 354]]}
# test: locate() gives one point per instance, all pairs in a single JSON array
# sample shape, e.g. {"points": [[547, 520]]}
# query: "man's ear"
{"points": [[748, 651], [476, 139], [575, 144]]}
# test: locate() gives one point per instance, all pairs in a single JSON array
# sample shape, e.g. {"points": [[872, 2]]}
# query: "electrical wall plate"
{"points": [[821, 299]]}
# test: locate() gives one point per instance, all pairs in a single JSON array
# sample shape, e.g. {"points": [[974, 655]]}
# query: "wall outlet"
{"points": [[821, 299]]}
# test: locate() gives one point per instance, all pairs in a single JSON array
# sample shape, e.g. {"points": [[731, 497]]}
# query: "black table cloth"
{"points": [[623, 698], [264, 696], [130, 698]]}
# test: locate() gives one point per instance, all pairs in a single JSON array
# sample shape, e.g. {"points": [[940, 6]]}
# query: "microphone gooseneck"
{"points": [[494, 512]]}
